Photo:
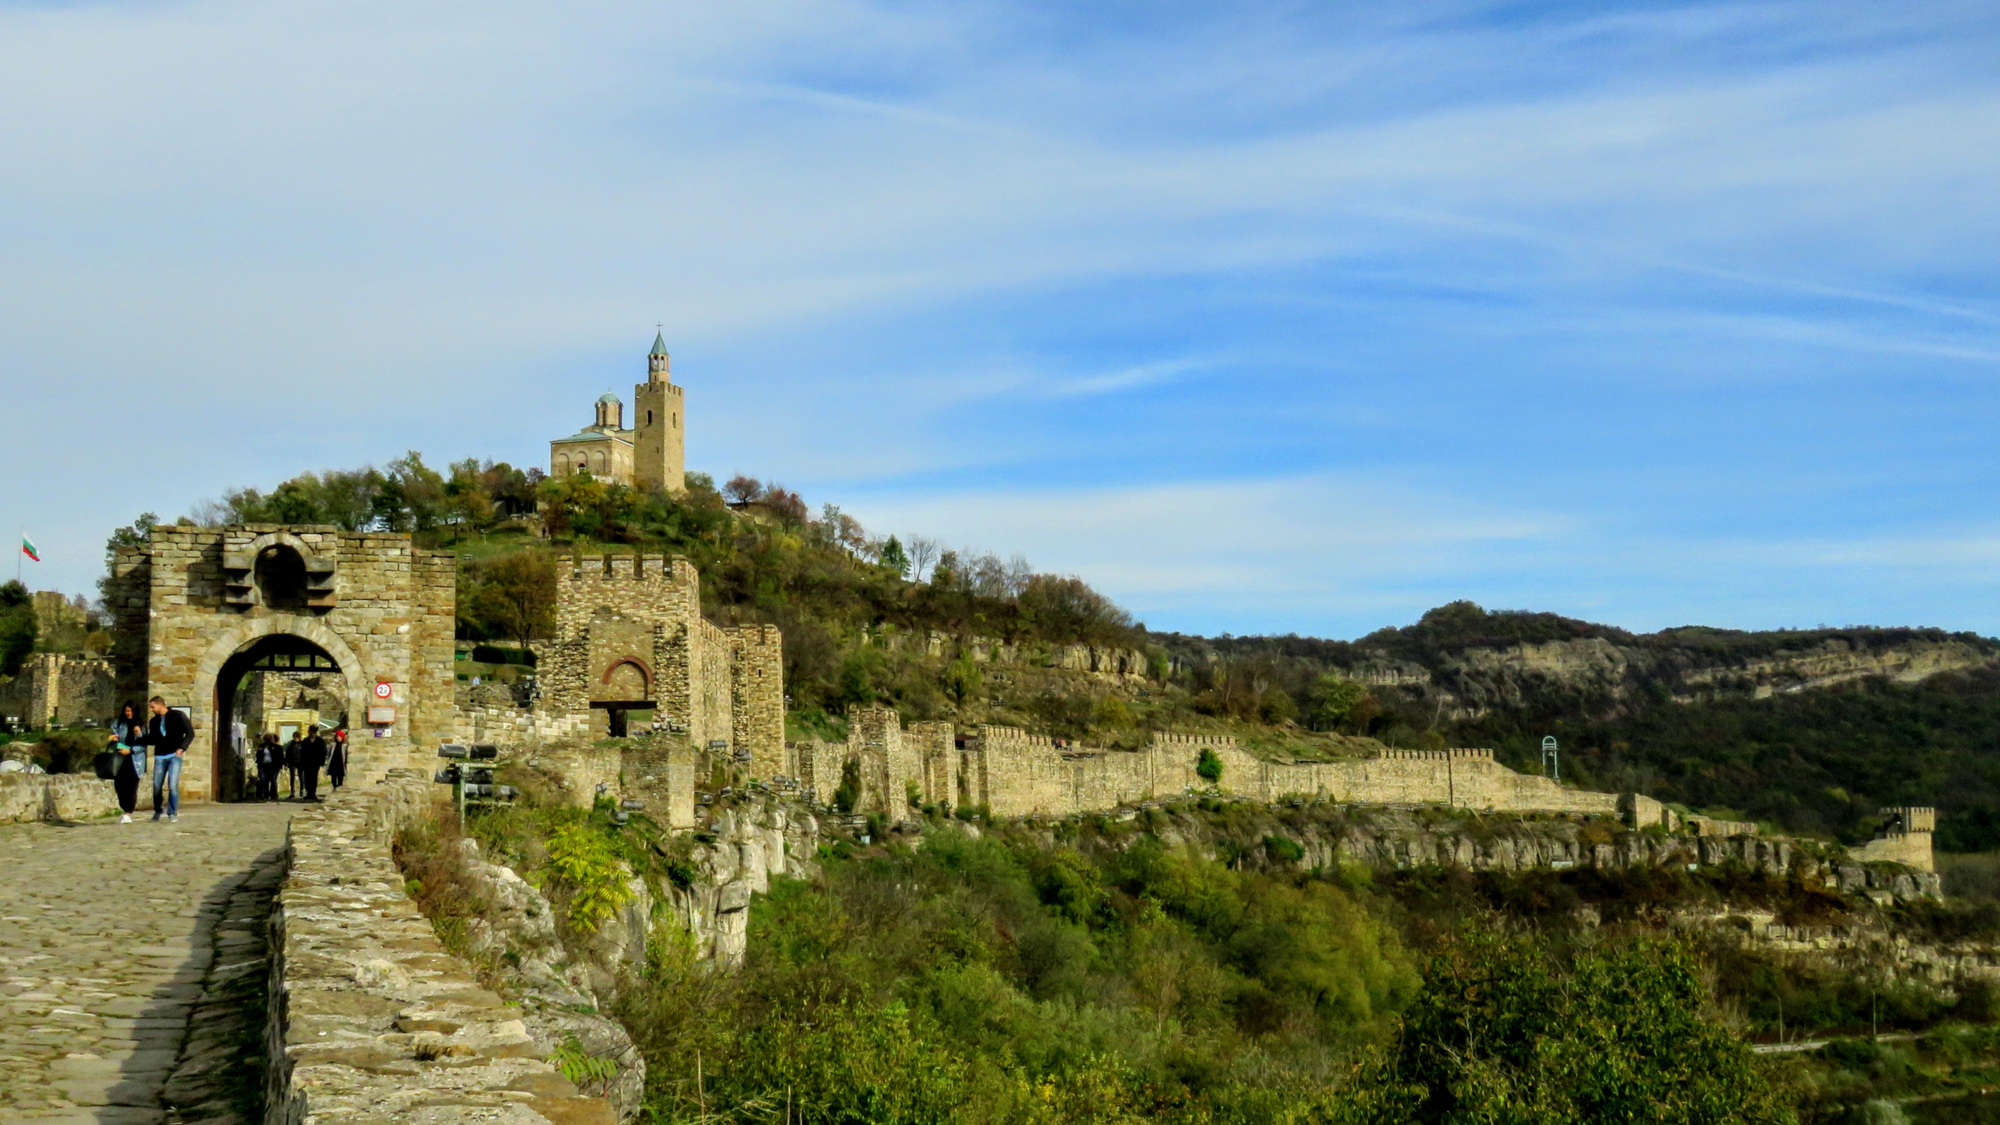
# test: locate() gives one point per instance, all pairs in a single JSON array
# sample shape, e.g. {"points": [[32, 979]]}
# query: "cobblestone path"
{"points": [[133, 967]]}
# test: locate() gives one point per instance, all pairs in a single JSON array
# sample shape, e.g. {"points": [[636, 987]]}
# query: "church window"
{"points": [[597, 462]]}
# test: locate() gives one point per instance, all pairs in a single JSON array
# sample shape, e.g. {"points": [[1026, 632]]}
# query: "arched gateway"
{"points": [[365, 618]]}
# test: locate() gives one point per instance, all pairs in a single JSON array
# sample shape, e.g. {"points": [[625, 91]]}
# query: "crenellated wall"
{"points": [[54, 689], [1014, 773]]}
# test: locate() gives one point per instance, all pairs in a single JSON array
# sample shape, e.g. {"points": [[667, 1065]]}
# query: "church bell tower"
{"points": [[659, 426]]}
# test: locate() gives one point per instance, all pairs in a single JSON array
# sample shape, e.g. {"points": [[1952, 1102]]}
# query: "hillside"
{"points": [[1814, 730]]}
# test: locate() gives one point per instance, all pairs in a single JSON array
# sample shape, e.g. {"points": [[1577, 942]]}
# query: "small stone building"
{"points": [[200, 608]]}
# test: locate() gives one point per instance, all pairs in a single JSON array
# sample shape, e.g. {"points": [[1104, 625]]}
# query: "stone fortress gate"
{"points": [[199, 609], [368, 618]]}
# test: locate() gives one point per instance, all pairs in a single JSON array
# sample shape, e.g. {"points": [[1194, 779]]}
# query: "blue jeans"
{"points": [[167, 773]]}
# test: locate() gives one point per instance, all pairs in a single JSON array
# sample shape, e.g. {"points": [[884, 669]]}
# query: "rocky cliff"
{"points": [[1599, 677]]}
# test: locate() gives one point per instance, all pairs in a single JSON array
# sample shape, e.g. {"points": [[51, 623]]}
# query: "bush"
{"points": [[587, 868], [1208, 766]]}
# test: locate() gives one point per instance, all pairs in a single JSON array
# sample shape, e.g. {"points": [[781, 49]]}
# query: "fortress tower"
{"points": [[659, 418], [652, 454]]}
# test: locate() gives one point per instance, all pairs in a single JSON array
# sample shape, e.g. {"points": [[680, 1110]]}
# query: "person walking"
{"points": [[312, 755], [293, 749], [336, 764], [269, 754], [169, 733], [128, 739]]}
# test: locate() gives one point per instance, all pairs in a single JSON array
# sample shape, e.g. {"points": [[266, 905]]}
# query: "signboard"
{"points": [[384, 689], [381, 715]]}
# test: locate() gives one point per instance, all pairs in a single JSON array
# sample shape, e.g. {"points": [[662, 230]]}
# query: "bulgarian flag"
{"points": [[28, 548]]}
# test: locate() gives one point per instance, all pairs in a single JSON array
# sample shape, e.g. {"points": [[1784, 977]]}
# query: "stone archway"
{"points": [[231, 656]]}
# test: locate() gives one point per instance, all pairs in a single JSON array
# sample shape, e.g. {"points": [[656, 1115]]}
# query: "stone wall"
{"points": [[1014, 773], [757, 705], [370, 1019], [26, 797], [514, 726], [56, 689], [1906, 840], [1121, 664]]}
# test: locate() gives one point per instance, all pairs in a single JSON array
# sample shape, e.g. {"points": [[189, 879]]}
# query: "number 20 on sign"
{"points": [[383, 688]]}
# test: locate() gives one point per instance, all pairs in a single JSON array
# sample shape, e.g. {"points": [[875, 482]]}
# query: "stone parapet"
{"points": [[371, 1020], [26, 797]]}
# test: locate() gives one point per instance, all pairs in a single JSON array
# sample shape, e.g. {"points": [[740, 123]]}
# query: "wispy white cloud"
{"points": [[388, 225]]}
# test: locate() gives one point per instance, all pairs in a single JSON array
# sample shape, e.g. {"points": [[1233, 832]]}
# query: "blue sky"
{"points": [[1262, 317]]}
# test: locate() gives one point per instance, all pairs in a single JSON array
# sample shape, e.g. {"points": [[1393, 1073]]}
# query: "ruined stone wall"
{"points": [[1906, 840], [56, 689], [757, 709], [710, 684], [936, 751], [1105, 662], [189, 599], [1014, 773], [514, 726], [26, 797], [660, 775], [1910, 848]]}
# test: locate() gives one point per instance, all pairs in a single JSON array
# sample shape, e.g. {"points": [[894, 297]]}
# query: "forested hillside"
{"points": [[1815, 730]]}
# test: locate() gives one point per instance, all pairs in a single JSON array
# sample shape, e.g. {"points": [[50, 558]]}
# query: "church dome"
{"points": [[608, 397]]}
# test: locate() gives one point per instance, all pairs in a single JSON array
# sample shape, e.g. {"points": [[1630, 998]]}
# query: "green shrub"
{"points": [[1208, 766], [849, 790], [584, 864]]}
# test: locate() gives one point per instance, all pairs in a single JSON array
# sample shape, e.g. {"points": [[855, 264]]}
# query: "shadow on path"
{"points": [[201, 1032]]}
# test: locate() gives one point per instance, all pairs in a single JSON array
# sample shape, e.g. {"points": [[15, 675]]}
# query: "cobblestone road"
{"points": [[132, 967]]}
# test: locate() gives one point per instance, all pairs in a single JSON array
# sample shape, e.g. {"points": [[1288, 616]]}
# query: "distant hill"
{"points": [[1812, 729]]}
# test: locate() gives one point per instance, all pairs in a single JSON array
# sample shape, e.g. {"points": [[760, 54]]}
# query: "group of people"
{"points": [[167, 733], [301, 760]]}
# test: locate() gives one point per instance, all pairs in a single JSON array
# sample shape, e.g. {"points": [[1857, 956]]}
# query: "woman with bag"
{"points": [[128, 746]]}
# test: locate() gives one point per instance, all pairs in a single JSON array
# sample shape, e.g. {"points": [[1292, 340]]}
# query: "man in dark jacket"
{"points": [[312, 756], [169, 734]]}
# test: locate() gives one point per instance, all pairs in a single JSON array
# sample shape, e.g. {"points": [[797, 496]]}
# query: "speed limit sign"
{"points": [[383, 689]]}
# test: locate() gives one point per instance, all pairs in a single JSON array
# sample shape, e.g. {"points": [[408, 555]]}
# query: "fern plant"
{"points": [[581, 1067], [584, 864]]}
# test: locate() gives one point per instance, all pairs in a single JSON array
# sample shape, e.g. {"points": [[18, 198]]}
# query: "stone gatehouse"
{"points": [[199, 609]]}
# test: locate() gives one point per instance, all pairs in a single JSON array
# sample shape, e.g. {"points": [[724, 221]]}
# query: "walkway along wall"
{"points": [[370, 1019]]}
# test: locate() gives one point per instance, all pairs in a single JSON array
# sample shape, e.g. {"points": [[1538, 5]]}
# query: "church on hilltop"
{"points": [[652, 454]]}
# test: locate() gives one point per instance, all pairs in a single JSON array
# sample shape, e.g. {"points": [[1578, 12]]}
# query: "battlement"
{"points": [[1166, 740], [1913, 818], [587, 571], [1461, 754]]}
